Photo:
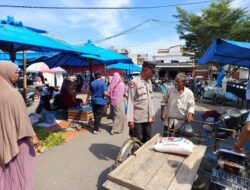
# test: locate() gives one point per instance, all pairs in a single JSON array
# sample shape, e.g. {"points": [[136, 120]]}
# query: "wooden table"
{"points": [[148, 169]]}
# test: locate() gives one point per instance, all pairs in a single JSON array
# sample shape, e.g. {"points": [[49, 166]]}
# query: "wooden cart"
{"points": [[148, 169]]}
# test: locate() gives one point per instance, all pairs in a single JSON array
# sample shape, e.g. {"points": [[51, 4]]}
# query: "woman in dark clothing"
{"points": [[68, 93]]}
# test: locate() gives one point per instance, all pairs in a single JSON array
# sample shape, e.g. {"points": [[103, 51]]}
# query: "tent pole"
{"points": [[24, 76], [55, 80], [91, 69], [105, 70]]}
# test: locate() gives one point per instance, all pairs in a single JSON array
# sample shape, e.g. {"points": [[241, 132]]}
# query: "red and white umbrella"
{"points": [[42, 67]]}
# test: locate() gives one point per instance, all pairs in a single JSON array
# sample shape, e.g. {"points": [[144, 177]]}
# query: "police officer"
{"points": [[141, 113]]}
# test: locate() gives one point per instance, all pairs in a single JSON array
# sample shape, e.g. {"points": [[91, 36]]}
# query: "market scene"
{"points": [[126, 95]]}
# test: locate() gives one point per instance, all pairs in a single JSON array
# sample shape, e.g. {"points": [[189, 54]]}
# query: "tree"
{"points": [[218, 20]]}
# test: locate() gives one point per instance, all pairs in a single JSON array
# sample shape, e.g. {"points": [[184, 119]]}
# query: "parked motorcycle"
{"points": [[30, 96], [231, 172], [232, 169], [197, 88]]}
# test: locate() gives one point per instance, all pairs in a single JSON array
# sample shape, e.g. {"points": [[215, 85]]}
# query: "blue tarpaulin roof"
{"points": [[10, 20], [89, 51], [102, 54], [19, 56], [125, 67], [227, 52], [15, 37], [21, 38]]}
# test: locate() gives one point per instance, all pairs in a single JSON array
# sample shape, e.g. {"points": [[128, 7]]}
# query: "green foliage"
{"points": [[49, 138], [218, 20]]}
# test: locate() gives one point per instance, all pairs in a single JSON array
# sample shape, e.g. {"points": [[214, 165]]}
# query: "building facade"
{"points": [[171, 61]]}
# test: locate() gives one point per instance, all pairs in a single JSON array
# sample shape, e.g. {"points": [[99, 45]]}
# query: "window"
{"points": [[174, 61]]}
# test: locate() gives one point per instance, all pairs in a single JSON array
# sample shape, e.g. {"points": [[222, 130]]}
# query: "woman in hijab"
{"points": [[17, 137], [69, 92], [117, 91]]}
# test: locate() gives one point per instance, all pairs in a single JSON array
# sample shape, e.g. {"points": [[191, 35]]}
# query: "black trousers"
{"points": [[169, 131], [43, 104], [142, 131], [98, 112]]}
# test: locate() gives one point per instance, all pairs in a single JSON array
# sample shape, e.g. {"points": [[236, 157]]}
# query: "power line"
{"points": [[103, 8], [129, 30]]}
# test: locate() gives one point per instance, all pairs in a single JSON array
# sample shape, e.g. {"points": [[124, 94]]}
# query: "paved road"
{"points": [[84, 162]]}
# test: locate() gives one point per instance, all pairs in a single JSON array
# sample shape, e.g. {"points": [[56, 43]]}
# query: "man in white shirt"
{"points": [[177, 102]]}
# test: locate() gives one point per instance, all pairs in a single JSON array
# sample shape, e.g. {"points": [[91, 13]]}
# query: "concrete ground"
{"points": [[84, 162]]}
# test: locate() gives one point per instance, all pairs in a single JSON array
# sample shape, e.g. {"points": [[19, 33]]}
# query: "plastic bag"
{"points": [[176, 145], [186, 129]]}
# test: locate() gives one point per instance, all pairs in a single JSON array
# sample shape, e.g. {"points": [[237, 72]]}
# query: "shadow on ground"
{"points": [[104, 151], [103, 177]]}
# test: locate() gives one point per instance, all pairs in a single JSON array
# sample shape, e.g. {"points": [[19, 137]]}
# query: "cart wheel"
{"points": [[127, 149], [220, 101]]}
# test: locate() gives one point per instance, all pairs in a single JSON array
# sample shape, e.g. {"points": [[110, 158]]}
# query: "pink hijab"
{"points": [[116, 89]]}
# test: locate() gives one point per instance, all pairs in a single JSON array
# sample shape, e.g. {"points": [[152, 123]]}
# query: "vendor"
{"points": [[69, 92]]}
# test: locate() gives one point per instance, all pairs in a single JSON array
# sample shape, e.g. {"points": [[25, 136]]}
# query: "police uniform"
{"points": [[140, 107]]}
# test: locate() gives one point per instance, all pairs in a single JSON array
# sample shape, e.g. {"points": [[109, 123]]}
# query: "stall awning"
{"points": [[176, 67]]}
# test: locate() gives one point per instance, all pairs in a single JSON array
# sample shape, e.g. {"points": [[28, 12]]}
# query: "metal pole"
{"points": [[91, 68], [24, 76], [105, 70]]}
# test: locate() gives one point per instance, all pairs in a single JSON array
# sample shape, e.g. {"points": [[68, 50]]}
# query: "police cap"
{"points": [[149, 64]]}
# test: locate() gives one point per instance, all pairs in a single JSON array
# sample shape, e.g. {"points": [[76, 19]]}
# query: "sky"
{"points": [[78, 26]]}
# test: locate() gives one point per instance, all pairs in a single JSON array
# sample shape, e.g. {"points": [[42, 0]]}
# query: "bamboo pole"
{"points": [[24, 76]]}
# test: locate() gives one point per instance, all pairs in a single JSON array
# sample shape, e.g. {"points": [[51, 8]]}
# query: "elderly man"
{"points": [[140, 104], [177, 102]]}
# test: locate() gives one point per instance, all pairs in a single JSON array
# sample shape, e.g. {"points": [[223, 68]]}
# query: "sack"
{"points": [[176, 145], [186, 129]]}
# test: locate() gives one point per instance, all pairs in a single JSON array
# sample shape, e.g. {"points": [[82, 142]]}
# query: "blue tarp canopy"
{"points": [[19, 55], [90, 54], [125, 67], [102, 54], [14, 38], [10, 20], [227, 52]]}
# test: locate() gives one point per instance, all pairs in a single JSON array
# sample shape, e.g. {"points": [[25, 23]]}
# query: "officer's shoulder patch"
{"points": [[131, 84]]}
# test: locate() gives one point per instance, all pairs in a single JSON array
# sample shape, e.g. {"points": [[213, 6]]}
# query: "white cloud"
{"points": [[239, 3], [152, 46], [105, 22]]}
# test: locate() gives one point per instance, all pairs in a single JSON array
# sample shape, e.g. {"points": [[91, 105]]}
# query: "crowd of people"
{"points": [[17, 137]]}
